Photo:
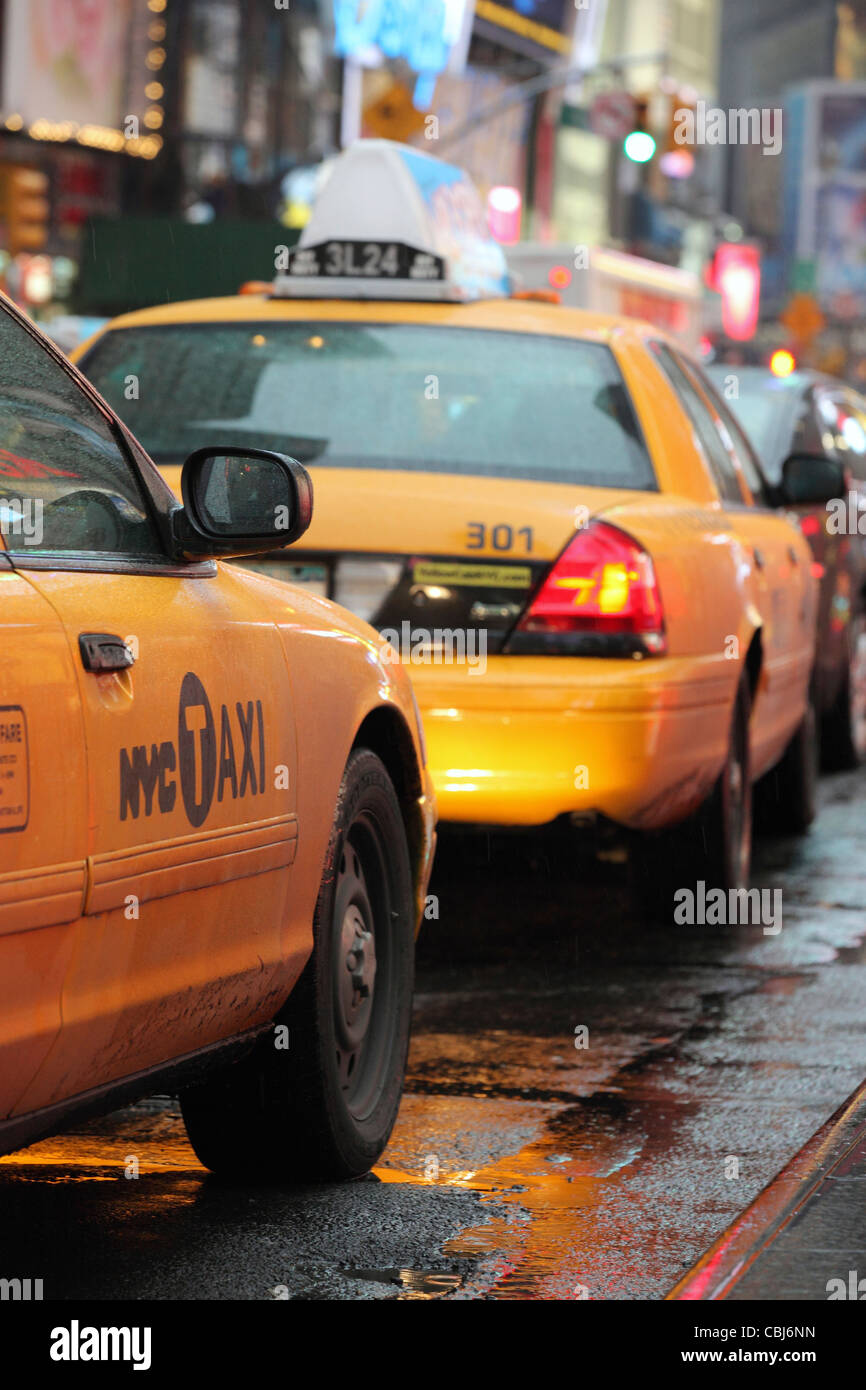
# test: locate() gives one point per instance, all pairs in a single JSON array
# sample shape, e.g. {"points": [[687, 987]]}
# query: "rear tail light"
{"points": [[601, 596]]}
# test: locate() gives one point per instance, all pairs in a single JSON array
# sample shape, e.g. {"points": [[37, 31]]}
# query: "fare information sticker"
{"points": [[472, 576], [14, 769]]}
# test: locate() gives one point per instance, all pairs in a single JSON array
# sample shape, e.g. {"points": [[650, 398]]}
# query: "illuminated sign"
{"points": [[539, 22], [504, 206], [422, 32], [391, 222], [737, 277]]}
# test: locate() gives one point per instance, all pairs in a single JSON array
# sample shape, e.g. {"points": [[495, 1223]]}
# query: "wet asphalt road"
{"points": [[521, 1165]]}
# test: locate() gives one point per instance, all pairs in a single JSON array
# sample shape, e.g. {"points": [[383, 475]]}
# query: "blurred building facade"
{"points": [[187, 109], [213, 110], [807, 209], [175, 142]]}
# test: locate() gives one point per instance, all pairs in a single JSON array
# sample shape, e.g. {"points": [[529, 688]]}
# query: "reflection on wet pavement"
{"points": [[524, 1164]]}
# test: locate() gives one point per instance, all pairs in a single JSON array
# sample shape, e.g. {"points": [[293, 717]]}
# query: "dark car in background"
{"points": [[807, 413]]}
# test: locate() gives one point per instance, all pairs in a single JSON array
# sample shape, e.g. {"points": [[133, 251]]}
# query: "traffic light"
{"points": [[25, 207], [678, 157], [639, 144]]}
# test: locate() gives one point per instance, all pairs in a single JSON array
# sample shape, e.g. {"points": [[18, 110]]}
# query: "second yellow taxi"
{"points": [[550, 515]]}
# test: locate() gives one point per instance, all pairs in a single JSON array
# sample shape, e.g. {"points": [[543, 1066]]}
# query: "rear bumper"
{"points": [[640, 743]]}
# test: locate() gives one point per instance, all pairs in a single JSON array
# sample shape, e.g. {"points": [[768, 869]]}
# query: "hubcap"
{"points": [[358, 975], [361, 970], [354, 964]]}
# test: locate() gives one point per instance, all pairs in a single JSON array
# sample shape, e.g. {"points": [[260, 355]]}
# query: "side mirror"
{"points": [[238, 501], [811, 480]]}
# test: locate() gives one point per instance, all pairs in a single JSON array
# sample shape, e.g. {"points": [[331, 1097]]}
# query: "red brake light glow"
{"points": [[604, 583]]}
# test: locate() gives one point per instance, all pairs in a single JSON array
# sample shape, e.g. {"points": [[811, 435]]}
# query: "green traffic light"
{"points": [[639, 146]]}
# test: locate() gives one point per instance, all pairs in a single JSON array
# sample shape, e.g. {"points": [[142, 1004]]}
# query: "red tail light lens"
{"points": [[602, 583]]}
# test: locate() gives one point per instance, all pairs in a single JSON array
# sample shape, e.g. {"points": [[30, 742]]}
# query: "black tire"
{"points": [[324, 1107], [714, 845], [786, 798], [843, 731]]}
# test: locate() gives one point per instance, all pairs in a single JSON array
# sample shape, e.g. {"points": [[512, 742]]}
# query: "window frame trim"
{"points": [[745, 501], [716, 403]]}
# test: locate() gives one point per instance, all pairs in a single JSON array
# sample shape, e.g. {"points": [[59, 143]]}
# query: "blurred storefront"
{"points": [[118, 113], [73, 111], [256, 96]]}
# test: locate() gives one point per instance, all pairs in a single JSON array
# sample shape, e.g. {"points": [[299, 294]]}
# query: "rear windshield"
{"points": [[390, 396], [768, 410]]}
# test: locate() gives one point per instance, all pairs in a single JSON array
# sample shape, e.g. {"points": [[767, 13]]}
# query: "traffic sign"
{"points": [[802, 317], [612, 114]]}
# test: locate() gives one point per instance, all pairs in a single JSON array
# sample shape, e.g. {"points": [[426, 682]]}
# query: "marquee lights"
{"points": [[99, 137]]}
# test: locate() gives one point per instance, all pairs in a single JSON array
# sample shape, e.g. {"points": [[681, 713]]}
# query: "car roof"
{"points": [[506, 315]]}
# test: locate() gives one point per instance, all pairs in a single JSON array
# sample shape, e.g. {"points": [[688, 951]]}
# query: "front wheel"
{"points": [[324, 1106]]}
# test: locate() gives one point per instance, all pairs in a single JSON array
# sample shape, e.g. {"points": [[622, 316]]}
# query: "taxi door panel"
{"points": [[775, 579], [43, 828], [192, 822], [781, 592]]}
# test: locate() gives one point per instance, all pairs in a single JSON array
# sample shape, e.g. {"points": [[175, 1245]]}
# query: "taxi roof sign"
{"points": [[394, 223]]}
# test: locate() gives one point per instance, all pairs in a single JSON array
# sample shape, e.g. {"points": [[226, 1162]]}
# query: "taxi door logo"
{"points": [[197, 764], [228, 763]]}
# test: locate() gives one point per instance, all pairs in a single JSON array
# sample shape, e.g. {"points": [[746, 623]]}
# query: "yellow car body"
{"points": [[535, 736], [163, 828]]}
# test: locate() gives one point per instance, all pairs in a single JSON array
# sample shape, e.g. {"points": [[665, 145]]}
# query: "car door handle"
{"points": [[101, 651], [759, 557]]}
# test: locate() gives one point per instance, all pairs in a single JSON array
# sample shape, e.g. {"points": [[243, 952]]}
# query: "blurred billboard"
{"points": [[65, 61], [825, 192]]}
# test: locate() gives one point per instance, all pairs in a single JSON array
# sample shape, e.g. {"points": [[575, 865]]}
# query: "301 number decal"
{"points": [[480, 536]]}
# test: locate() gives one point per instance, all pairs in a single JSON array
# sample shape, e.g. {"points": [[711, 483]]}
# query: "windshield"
{"points": [[382, 396]]}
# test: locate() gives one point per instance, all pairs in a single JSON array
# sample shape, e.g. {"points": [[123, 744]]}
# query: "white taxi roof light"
{"points": [[394, 223]]}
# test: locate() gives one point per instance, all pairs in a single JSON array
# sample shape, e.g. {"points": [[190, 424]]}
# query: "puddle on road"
{"points": [[552, 1188], [151, 1132], [413, 1283], [600, 1172]]}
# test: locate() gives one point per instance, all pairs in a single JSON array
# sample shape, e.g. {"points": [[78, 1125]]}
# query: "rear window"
{"points": [[389, 396], [769, 410]]}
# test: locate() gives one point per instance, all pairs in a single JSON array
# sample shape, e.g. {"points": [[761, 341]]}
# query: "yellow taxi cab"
{"points": [[216, 824], [550, 514]]}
